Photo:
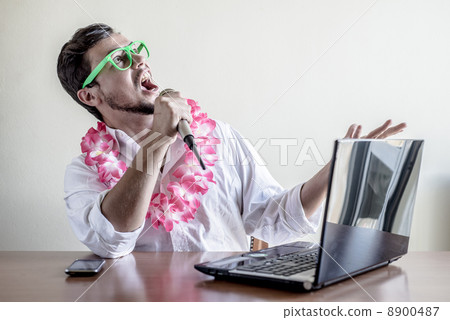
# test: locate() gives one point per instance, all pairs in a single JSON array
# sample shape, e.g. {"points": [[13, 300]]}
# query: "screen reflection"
{"points": [[370, 205]]}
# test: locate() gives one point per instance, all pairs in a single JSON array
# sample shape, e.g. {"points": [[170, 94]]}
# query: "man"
{"points": [[151, 207]]}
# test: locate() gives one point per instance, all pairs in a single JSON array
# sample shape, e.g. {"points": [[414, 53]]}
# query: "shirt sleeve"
{"points": [[84, 194], [269, 212]]}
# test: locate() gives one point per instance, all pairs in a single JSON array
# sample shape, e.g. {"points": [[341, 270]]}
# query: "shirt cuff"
{"points": [[114, 242], [296, 214]]}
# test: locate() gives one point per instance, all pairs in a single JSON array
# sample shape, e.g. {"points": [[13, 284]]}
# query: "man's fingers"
{"points": [[357, 133], [378, 131], [382, 132], [349, 132], [392, 131], [170, 108], [353, 132]]}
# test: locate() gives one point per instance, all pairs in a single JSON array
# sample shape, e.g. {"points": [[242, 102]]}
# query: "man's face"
{"points": [[132, 90]]}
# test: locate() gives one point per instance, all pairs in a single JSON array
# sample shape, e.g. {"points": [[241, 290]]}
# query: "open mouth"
{"points": [[146, 83]]}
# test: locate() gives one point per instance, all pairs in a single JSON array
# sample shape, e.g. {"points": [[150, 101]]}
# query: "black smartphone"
{"points": [[85, 267]]}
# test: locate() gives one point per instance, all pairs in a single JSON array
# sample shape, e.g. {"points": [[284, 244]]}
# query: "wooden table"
{"points": [[164, 276]]}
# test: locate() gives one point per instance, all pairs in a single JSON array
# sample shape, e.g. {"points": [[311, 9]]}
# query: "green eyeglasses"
{"points": [[120, 58]]}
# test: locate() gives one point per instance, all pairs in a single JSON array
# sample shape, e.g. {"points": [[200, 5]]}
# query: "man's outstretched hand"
{"points": [[382, 132], [314, 191]]}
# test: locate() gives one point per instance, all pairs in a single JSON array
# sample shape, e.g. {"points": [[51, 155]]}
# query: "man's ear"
{"points": [[89, 96]]}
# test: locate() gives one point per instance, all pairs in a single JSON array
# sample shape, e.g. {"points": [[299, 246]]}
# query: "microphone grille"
{"points": [[166, 91]]}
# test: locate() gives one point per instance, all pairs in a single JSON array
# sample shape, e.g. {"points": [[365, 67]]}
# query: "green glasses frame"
{"points": [[129, 50]]}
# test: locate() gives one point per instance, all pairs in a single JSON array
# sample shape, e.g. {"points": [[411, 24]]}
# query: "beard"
{"points": [[139, 108]]}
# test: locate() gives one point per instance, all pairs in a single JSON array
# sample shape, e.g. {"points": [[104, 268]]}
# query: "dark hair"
{"points": [[73, 67]]}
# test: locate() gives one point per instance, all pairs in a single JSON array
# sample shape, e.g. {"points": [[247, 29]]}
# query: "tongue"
{"points": [[147, 84]]}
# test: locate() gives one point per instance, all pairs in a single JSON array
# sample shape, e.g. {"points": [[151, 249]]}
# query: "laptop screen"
{"points": [[369, 206]]}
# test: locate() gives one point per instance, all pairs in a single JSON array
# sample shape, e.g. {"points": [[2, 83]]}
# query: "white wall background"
{"points": [[236, 58]]}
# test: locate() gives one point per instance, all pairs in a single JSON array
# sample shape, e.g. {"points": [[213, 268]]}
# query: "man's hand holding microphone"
{"points": [[170, 109], [172, 115]]}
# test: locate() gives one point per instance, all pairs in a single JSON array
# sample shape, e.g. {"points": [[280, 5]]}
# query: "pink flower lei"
{"points": [[182, 200]]}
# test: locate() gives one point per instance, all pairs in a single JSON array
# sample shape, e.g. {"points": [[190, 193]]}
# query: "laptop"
{"points": [[366, 222]]}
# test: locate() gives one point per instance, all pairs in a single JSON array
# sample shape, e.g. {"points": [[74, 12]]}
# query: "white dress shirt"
{"points": [[245, 201]]}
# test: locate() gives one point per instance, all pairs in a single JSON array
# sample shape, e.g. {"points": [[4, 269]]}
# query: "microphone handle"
{"points": [[188, 138], [184, 130]]}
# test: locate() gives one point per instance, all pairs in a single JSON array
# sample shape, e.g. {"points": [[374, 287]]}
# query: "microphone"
{"points": [[186, 134]]}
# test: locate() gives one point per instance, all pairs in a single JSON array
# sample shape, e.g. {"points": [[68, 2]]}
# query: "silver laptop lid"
{"points": [[369, 206]]}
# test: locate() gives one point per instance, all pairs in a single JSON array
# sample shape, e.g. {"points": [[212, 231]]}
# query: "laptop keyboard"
{"points": [[285, 265]]}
